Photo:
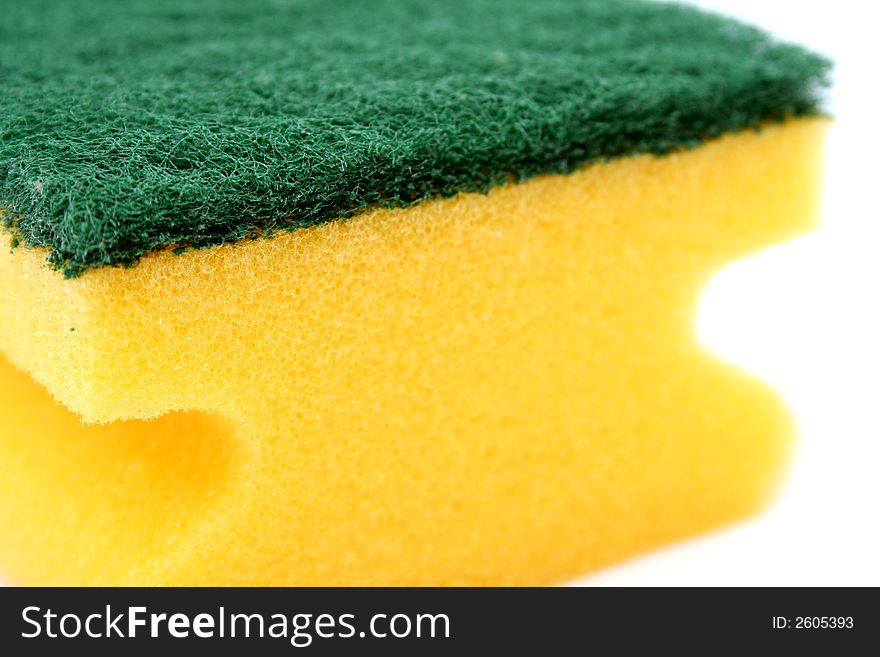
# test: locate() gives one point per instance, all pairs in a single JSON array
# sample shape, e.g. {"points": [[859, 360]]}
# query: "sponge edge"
{"points": [[488, 389]]}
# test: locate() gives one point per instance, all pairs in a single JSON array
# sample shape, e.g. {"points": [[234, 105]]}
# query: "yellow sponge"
{"points": [[487, 389]]}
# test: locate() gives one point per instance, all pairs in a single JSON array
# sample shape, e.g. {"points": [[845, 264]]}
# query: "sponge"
{"points": [[430, 323]]}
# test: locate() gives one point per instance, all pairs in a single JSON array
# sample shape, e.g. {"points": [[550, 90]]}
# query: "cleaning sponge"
{"points": [[486, 375]]}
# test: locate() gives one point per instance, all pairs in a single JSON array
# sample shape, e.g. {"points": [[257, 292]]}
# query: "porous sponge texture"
{"points": [[488, 389], [191, 122]]}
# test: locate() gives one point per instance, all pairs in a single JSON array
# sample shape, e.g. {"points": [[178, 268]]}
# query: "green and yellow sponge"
{"points": [[381, 292]]}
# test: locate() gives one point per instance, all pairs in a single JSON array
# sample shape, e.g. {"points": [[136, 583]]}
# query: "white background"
{"points": [[805, 316]]}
